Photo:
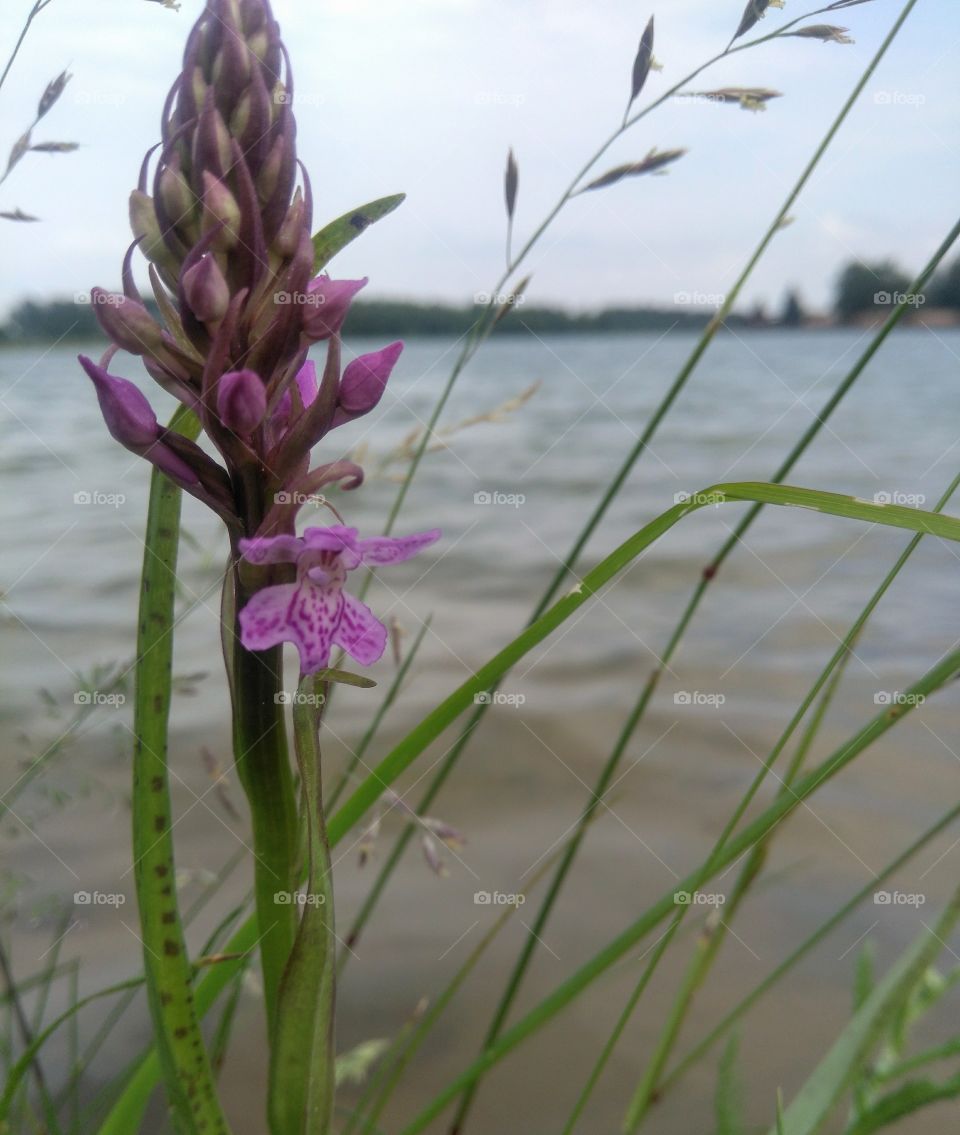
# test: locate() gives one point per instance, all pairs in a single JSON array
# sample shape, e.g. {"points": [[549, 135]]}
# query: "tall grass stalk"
{"points": [[824, 689], [940, 675], [571, 560]]}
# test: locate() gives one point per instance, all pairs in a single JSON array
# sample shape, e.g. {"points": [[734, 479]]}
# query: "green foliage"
{"points": [[729, 1098], [187, 1073], [945, 289], [875, 1104], [867, 289], [335, 236], [301, 1042], [305, 979], [815, 1101]]}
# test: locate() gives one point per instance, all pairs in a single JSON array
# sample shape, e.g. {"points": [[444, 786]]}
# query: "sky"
{"points": [[426, 96]]}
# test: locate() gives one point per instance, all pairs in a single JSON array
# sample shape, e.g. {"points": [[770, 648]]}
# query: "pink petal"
{"points": [[391, 550], [303, 614], [307, 382], [330, 302], [359, 632], [334, 538], [272, 549]]}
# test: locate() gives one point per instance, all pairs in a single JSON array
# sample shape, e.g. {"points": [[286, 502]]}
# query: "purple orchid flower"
{"points": [[315, 613], [329, 304]]}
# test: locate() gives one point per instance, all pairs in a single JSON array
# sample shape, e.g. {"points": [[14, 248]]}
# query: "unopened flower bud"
{"points": [[178, 199], [220, 208], [127, 322], [206, 290], [287, 240], [365, 379], [331, 301], [146, 228], [241, 401], [126, 411]]}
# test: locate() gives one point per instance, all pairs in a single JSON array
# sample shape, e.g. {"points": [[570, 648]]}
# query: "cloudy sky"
{"points": [[426, 96]]}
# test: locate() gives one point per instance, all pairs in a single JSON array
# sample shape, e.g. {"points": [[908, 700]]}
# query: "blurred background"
{"points": [[426, 98]]}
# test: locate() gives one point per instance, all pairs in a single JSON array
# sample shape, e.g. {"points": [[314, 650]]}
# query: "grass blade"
{"points": [[812, 1105]]}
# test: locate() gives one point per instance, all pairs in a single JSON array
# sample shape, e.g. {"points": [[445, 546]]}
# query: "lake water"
{"points": [[767, 626]]}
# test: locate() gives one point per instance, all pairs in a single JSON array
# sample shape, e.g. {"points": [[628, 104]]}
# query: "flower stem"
{"points": [[263, 767]]}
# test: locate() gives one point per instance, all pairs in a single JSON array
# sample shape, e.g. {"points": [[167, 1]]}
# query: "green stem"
{"points": [[484, 326], [263, 768], [388, 699], [572, 558], [739, 1011], [392, 1073], [827, 682], [650, 687], [434, 723], [941, 674], [403, 755]]}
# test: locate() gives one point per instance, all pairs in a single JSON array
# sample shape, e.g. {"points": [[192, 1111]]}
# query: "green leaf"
{"points": [[334, 237], [301, 1048], [397, 761], [864, 978], [183, 1057], [728, 1101], [812, 1105], [20, 1070], [345, 678], [908, 1098], [403, 755]]}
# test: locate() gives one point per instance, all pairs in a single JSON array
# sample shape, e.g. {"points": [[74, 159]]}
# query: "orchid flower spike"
{"points": [[315, 613], [226, 228]]}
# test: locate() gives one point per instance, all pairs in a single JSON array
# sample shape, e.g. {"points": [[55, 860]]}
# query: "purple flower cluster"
{"points": [[226, 229]]}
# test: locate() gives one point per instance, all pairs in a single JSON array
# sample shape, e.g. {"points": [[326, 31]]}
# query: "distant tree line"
{"points": [[68, 320], [861, 289], [869, 288]]}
